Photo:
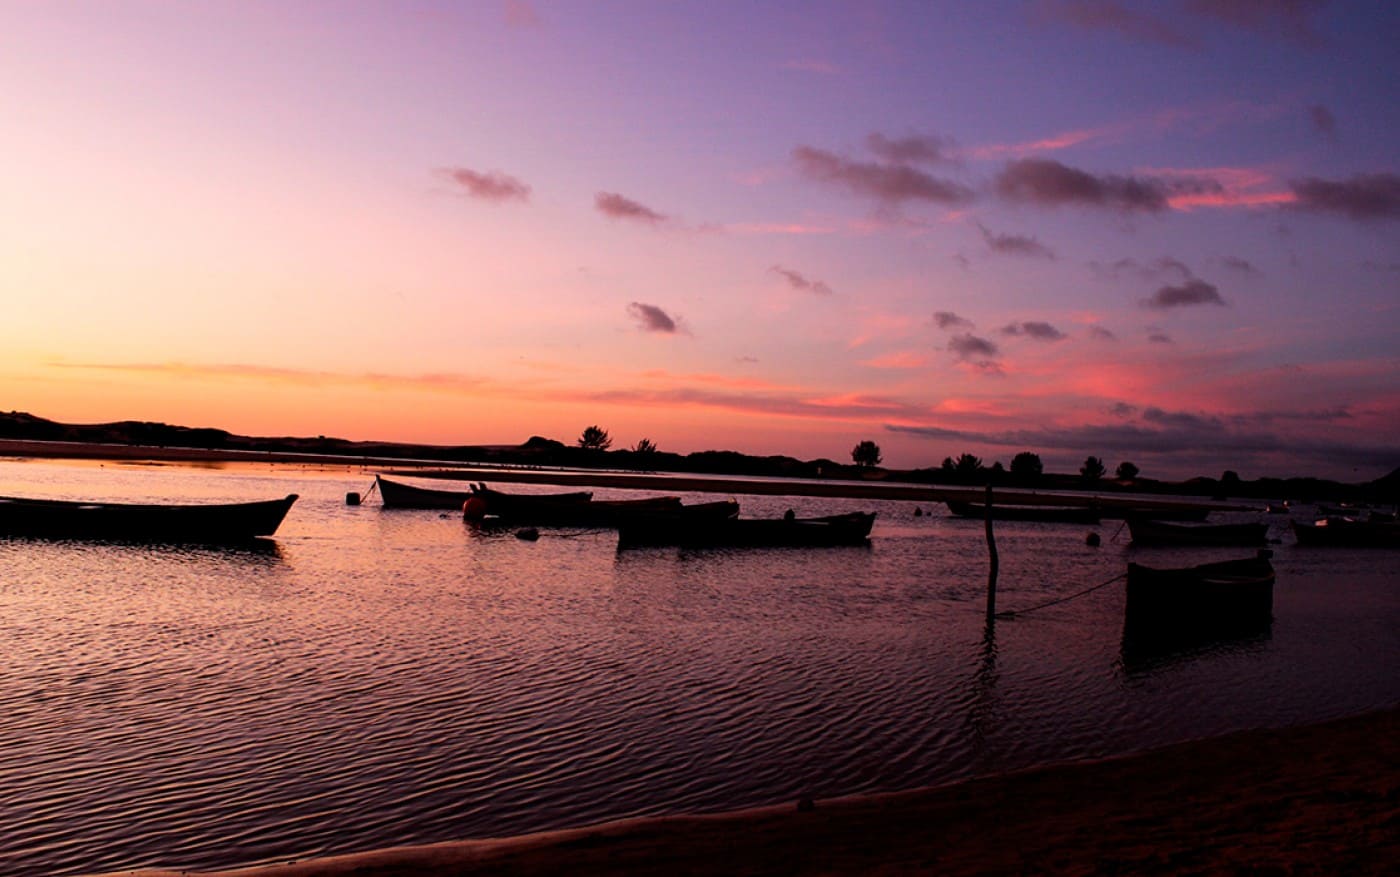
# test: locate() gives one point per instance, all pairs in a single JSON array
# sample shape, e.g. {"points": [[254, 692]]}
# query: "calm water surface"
{"points": [[380, 677]]}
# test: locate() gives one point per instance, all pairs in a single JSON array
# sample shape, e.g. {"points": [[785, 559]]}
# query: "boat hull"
{"points": [[1153, 532], [1346, 533], [1226, 598], [398, 495], [830, 531], [1047, 514], [211, 523]]}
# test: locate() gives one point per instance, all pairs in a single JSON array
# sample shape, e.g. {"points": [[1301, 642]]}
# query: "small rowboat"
{"points": [[1150, 532], [560, 510], [207, 523], [397, 495], [1212, 597], [786, 532], [1051, 514], [1348, 533]]}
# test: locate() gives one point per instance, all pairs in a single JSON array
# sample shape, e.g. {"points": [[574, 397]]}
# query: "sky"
{"points": [[1158, 232]]}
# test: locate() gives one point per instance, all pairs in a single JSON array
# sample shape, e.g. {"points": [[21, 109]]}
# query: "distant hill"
{"points": [[541, 451]]}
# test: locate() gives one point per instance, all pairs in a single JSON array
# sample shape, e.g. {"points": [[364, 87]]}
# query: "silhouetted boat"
{"points": [[1053, 514], [786, 532], [1153, 532], [206, 523], [561, 510], [601, 514], [396, 494], [1349, 533], [1226, 597]]}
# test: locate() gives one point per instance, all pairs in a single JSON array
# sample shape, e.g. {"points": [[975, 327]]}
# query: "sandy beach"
{"points": [[1321, 799]]}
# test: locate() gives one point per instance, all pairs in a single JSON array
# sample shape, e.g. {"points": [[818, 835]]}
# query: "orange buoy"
{"points": [[474, 509]]}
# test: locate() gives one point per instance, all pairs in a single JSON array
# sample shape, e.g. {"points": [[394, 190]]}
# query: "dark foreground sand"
{"points": [[1314, 800]]}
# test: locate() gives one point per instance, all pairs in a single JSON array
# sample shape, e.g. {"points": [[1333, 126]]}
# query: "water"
{"points": [[387, 677]]}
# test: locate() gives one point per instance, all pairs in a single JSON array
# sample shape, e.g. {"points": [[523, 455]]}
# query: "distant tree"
{"points": [[866, 454], [1230, 478], [969, 466], [645, 446], [1026, 466], [1092, 470], [948, 467], [1126, 471], [998, 472], [595, 438]]}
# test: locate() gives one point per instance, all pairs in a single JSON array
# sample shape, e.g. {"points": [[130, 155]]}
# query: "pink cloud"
{"points": [[615, 206]]}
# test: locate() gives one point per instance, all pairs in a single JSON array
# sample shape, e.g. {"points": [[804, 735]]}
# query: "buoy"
{"points": [[918, 512], [1092, 540], [474, 509], [529, 534], [352, 498]]}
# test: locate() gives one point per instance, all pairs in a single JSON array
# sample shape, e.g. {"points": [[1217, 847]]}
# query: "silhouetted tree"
{"points": [[969, 466], [595, 438], [1027, 467], [644, 446], [866, 454], [1092, 470], [948, 466], [1126, 471]]}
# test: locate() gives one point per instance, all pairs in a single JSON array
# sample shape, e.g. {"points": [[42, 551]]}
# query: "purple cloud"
{"points": [[1108, 15], [1015, 244], [1052, 184], [651, 318], [797, 281], [1291, 18], [1151, 271], [968, 346], [1040, 331], [1323, 121], [1364, 197], [1192, 292], [1235, 263], [492, 186], [949, 320], [910, 150], [887, 183], [615, 206], [1101, 333]]}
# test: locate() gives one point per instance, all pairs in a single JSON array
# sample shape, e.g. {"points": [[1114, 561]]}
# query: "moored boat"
{"points": [[1051, 514], [1147, 531], [1226, 596], [398, 495], [211, 523], [785, 532], [1348, 533], [560, 510]]}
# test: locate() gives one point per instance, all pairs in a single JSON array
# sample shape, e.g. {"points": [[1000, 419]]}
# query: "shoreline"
{"points": [[687, 482], [1321, 798]]}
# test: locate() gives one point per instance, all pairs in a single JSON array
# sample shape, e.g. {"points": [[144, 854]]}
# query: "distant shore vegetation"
{"points": [[592, 449]]}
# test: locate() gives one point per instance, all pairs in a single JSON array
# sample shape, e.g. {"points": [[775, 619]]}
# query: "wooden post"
{"points": [[992, 550]]}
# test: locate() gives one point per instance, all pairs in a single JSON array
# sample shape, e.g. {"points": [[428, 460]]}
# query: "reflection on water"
{"points": [[376, 678]]}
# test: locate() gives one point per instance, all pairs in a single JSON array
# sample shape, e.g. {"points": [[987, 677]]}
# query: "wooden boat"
{"points": [[1213, 598], [397, 495], [207, 523], [602, 514], [1153, 532], [1349, 533], [561, 510], [786, 532], [1053, 514]]}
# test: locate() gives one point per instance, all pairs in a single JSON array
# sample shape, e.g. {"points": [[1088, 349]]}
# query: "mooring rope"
{"points": [[1014, 612]]}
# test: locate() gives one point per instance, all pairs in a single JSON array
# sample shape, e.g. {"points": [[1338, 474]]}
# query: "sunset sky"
{"points": [[1164, 232]]}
